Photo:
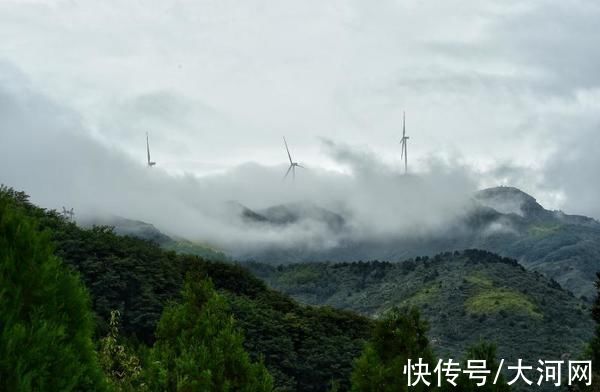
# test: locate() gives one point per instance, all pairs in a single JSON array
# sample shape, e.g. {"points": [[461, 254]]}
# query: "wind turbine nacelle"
{"points": [[151, 164]]}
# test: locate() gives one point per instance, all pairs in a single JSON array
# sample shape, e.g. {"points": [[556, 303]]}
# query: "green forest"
{"points": [[89, 310], [465, 296]]}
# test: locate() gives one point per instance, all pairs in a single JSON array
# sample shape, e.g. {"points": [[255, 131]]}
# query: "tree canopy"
{"points": [[199, 347], [46, 324]]}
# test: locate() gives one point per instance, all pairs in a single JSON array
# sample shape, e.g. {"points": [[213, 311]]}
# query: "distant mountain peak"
{"points": [[129, 227], [510, 200], [291, 213]]}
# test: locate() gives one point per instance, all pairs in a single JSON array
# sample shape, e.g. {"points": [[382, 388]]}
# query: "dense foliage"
{"points": [[46, 325], [487, 352], [593, 352], [398, 337], [217, 339], [121, 365], [199, 348], [465, 296], [304, 348], [502, 220]]}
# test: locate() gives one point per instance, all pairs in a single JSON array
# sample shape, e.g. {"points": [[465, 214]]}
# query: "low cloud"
{"points": [[47, 151]]}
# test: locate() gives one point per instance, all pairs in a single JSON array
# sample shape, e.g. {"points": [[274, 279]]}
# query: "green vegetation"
{"points": [[593, 350], [495, 300], [563, 247], [487, 298], [543, 230], [225, 330], [300, 277], [195, 249], [46, 325], [465, 296], [481, 351], [424, 296], [122, 367], [303, 348], [480, 280], [199, 348], [398, 337]]}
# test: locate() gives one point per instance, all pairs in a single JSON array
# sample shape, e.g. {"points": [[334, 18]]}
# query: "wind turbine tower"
{"points": [[150, 163], [293, 165], [404, 144]]}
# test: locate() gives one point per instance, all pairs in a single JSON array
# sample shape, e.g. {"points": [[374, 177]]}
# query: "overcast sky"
{"points": [[508, 89]]}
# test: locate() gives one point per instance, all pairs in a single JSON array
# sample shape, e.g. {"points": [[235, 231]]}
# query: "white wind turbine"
{"points": [[68, 214], [404, 144], [150, 163], [293, 165]]}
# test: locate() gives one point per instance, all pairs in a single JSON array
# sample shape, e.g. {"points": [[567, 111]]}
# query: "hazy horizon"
{"points": [[494, 94]]}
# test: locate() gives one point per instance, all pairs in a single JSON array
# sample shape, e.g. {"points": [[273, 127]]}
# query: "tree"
{"points": [[119, 363], [593, 351], [199, 348], [481, 351], [399, 336], [46, 324]]}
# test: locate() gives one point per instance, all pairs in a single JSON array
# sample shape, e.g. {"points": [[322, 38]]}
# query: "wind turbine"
{"points": [[293, 165], [68, 214], [403, 143], [150, 163]]}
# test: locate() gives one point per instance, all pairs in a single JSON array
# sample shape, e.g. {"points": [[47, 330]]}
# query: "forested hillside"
{"points": [[465, 296], [160, 325], [502, 220], [304, 348]]}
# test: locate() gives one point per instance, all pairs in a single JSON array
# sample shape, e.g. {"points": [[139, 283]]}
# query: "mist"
{"points": [[46, 151]]}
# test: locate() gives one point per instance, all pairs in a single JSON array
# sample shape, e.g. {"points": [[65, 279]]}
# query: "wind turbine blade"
{"points": [[403, 124], [405, 158], [294, 173], [288, 150], [287, 172], [301, 166], [403, 144], [148, 147]]}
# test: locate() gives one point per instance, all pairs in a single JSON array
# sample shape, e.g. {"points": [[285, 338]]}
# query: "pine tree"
{"points": [[46, 324], [399, 336], [199, 348], [481, 351]]}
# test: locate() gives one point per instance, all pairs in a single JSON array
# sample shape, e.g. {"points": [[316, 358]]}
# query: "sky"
{"points": [[494, 93]]}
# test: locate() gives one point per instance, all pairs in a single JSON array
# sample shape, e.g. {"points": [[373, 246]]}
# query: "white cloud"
{"points": [[498, 86]]}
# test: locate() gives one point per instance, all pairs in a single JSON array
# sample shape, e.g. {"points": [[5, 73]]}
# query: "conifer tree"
{"points": [[481, 351], [46, 324], [199, 348], [398, 337]]}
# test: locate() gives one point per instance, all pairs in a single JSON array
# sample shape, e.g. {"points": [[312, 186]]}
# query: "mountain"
{"points": [[146, 231], [503, 220], [466, 296], [128, 227], [304, 348], [294, 213], [561, 246]]}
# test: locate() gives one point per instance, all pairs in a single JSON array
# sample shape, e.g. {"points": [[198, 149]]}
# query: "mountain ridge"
{"points": [[466, 296], [503, 220], [562, 246]]}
